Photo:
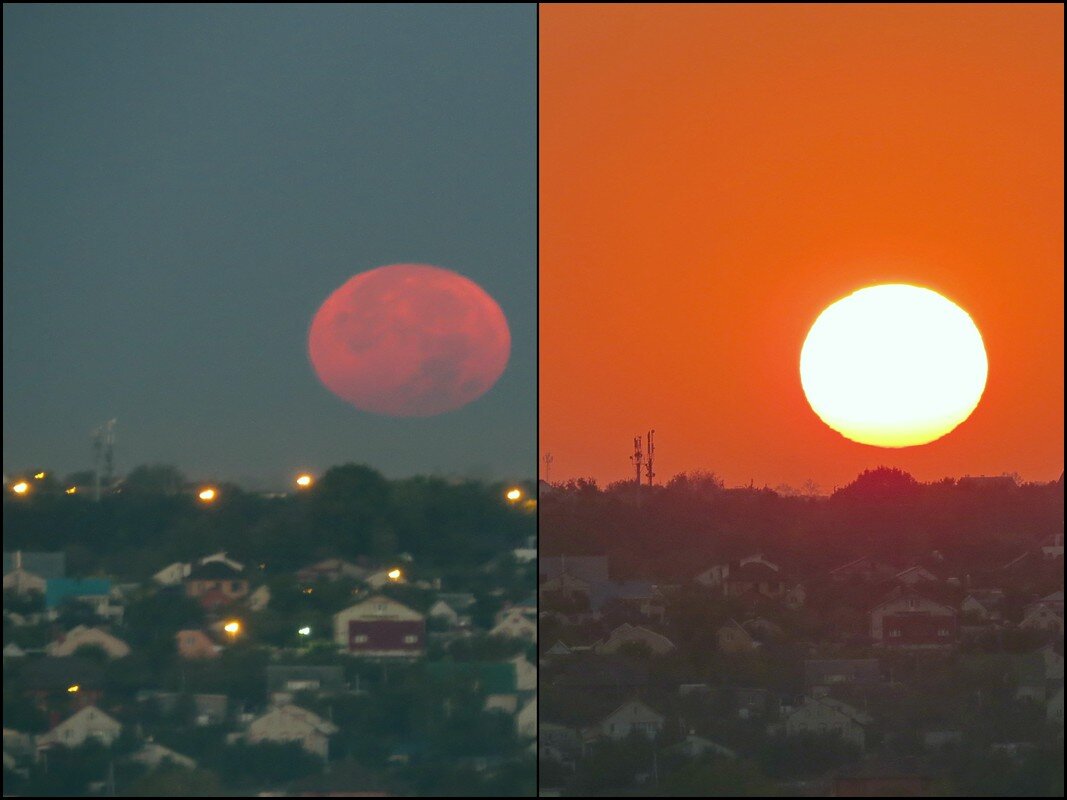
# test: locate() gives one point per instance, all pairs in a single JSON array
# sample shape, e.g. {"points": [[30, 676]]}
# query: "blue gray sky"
{"points": [[185, 185]]}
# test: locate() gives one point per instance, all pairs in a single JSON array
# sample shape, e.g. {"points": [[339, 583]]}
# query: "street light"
{"points": [[74, 689], [304, 480], [21, 487], [394, 574], [305, 631], [207, 495], [72, 490], [39, 476], [514, 494], [232, 627]]}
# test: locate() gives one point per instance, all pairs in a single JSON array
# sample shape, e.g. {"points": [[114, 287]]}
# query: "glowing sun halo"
{"points": [[893, 366]]}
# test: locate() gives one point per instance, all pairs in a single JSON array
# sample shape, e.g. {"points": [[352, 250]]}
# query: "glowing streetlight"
{"points": [[514, 494], [21, 487], [208, 495], [74, 689], [305, 631], [72, 490], [39, 476], [233, 627], [394, 575], [304, 481]]}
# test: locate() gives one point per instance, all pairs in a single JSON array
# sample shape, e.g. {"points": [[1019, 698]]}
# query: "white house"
{"points": [[632, 716], [525, 674], [81, 636], [89, 723], [259, 599], [515, 623], [292, 724], [1042, 617], [173, 574], [826, 715], [380, 627]]}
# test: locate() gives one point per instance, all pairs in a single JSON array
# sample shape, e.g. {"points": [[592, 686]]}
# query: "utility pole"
{"points": [[651, 448]]}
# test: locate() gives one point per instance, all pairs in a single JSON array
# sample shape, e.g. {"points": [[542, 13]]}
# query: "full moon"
{"points": [[409, 340], [893, 366]]}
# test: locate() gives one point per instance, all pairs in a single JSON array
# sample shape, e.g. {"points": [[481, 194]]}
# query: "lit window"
{"points": [[410, 639], [360, 639], [894, 633]]}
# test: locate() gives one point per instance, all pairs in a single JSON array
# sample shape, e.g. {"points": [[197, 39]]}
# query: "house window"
{"points": [[360, 639], [410, 639], [894, 633]]}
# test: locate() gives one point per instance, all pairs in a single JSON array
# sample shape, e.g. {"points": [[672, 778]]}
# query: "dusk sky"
{"points": [[713, 177], [184, 186]]}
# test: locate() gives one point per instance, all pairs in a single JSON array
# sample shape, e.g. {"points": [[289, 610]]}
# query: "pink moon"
{"points": [[409, 340]]}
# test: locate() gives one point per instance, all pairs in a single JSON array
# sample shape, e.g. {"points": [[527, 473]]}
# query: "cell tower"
{"points": [[637, 458], [103, 455], [547, 458], [651, 449]]}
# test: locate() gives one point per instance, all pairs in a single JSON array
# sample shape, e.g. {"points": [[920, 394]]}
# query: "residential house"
{"points": [[50, 681], [732, 638], [754, 576], [915, 575], [207, 709], [884, 778], [290, 723], [983, 605], [907, 619], [385, 577], [195, 644], [46, 565], [443, 611], [259, 599], [693, 746], [627, 634], [380, 627], [826, 715], [221, 558], [515, 623], [1042, 617], [864, 569], [215, 584], [285, 679], [173, 574], [154, 755], [81, 636], [88, 723], [821, 675], [632, 716], [331, 569], [1052, 547], [20, 580]]}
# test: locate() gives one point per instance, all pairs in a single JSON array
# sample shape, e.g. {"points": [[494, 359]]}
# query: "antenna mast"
{"points": [[103, 456], [547, 458], [637, 458], [651, 448]]}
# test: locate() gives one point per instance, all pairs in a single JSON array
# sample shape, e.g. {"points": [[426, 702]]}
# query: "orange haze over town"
{"points": [[713, 177]]}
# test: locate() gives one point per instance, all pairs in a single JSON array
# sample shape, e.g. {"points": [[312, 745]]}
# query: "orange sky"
{"points": [[712, 177]]}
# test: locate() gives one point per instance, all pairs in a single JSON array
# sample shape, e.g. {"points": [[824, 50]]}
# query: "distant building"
{"points": [[907, 619], [380, 627], [915, 575], [195, 644], [826, 715], [305, 678], [1052, 547], [67, 644], [331, 569], [46, 565], [515, 623], [732, 638], [864, 569], [290, 723], [154, 755], [632, 716], [627, 634], [88, 723], [173, 574], [50, 679], [19, 578], [1042, 616], [216, 584]]}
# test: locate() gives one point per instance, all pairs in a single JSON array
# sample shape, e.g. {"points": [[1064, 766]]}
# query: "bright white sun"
{"points": [[893, 366]]}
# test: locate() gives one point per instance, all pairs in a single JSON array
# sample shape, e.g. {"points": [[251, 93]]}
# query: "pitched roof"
{"points": [[45, 565], [214, 570]]}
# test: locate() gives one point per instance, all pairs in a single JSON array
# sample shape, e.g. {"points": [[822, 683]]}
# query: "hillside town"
{"points": [[797, 669], [226, 675]]}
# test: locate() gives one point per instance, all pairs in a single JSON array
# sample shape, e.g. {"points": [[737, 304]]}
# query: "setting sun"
{"points": [[893, 366]]}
